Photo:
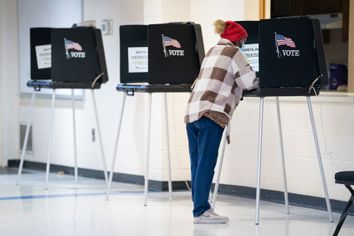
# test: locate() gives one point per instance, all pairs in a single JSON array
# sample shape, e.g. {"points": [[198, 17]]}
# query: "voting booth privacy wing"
{"points": [[168, 53], [68, 57], [251, 47], [175, 53], [291, 56], [133, 54]]}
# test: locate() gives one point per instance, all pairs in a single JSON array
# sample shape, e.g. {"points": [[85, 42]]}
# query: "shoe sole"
{"points": [[211, 221]]}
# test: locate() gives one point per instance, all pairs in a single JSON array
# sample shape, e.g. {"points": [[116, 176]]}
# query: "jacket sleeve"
{"points": [[244, 75]]}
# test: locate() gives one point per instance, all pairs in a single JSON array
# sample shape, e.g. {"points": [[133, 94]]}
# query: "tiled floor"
{"points": [[69, 210]]}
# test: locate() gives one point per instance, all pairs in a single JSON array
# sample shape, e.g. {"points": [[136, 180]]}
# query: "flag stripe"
{"points": [[72, 45], [282, 40], [167, 41]]}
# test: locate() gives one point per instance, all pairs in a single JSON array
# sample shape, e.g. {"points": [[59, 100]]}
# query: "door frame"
{"points": [[264, 9]]}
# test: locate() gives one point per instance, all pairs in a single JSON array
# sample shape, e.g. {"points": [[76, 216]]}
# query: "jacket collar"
{"points": [[225, 42]]}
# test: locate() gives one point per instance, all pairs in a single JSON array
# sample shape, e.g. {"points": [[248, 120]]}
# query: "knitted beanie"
{"points": [[233, 32]]}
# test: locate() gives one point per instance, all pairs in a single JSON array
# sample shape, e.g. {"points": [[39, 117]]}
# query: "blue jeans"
{"points": [[204, 137]]}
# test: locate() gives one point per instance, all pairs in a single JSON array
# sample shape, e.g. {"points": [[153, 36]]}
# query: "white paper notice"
{"points": [[137, 59], [251, 53], [44, 56]]}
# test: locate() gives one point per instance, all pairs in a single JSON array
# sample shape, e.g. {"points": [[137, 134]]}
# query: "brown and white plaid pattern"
{"points": [[224, 74]]}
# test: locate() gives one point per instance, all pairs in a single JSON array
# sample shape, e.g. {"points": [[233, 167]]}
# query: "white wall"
{"points": [[333, 115], [335, 136], [9, 79], [252, 10], [206, 12], [130, 152]]}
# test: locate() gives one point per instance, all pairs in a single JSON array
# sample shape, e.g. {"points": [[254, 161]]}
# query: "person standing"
{"points": [[216, 92]]}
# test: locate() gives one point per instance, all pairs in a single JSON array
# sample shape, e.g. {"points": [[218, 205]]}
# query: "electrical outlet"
{"points": [[29, 147], [107, 27]]}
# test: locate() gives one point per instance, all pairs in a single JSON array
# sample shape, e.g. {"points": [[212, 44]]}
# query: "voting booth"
{"points": [[66, 58], [160, 54], [288, 57], [157, 58], [183, 51], [291, 57]]}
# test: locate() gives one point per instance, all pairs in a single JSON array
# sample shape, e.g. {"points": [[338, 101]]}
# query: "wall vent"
{"points": [[29, 147]]}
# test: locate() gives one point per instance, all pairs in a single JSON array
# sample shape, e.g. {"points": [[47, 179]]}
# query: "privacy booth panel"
{"points": [[68, 57], [251, 47], [290, 55], [174, 53], [41, 53], [133, 53], [289, 52], [161, 53]]}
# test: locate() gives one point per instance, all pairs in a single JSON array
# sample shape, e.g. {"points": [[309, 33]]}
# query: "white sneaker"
{"points": [[210, 217]]}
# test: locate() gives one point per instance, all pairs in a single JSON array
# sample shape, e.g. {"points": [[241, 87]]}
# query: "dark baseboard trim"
{"points": [[154, 185], [278, 197]]}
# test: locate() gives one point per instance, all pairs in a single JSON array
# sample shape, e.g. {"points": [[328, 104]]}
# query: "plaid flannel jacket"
{"points": [[224, 74]]}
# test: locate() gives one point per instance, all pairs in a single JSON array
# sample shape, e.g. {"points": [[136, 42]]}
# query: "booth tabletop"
{"points": [[61, 85], [154, 88]]}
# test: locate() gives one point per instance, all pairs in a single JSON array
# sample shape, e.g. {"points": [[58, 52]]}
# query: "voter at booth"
{"points": [[216, 92]]}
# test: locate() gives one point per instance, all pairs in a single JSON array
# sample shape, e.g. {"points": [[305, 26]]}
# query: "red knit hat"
{"points": [[234, 32]]}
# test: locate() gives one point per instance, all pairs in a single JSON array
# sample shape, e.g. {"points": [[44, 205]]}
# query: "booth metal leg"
{"points": [[24, 147], [147, 148], [99, 136], [286, 199], [221, 161], [324, 185], [168, 149], [50, 139], [74, 136], [115, 146], [259, 156]]}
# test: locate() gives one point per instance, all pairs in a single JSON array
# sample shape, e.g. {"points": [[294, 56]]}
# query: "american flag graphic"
{"points": [[282, 40], [72, 45], [167, 41]]}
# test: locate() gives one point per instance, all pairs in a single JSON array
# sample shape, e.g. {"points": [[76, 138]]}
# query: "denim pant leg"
{"points": [[204, 137], [192, 133]]}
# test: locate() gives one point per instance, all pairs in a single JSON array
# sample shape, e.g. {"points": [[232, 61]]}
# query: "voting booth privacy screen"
{"points": [[161, 53], [133, 53], [71, 56], [174, 53], [251, 47], [291, 56]]}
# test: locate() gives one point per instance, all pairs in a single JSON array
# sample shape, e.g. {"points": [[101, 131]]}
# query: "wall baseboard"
{"points": [[154, 185]]}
